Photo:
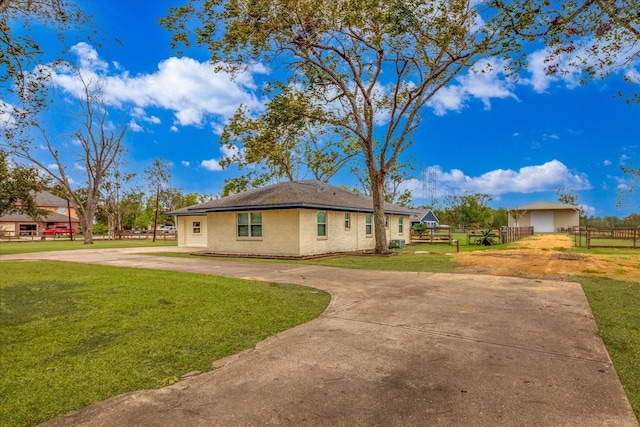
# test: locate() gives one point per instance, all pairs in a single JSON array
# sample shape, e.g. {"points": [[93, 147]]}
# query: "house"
{"points": [[289, 219], [545, 217], [426, 217], [59, 212]]}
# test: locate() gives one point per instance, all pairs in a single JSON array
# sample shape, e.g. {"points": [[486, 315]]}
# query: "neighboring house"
{"points": [[426, 217], [299, 218], [59, 212], [545, 217]]}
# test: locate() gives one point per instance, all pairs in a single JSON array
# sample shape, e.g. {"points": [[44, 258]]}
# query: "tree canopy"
{"points": [[368, 67]]}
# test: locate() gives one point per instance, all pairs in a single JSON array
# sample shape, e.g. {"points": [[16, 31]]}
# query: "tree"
{"points": [[99, 143], [285, 142], [634, 178], [113, 193], [590, 39], [20, 50], [399, 173], [368, 68], [158, 176], [18, 185], [469, 209]]}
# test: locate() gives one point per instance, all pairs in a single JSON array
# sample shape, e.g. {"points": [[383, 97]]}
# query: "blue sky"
{"points": [[518, 142]]}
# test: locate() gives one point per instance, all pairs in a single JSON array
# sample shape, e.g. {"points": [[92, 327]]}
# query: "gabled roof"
{"points": [[542, 205], [295, 194], [423, 215]]}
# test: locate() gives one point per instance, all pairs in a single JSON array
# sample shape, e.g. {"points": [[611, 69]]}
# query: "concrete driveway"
{"points": [[392, 349]]}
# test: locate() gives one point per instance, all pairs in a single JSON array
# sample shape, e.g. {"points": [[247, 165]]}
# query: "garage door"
{"points": [[543, 222]]}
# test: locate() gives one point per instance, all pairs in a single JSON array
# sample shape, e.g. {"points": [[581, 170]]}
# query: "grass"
{"points": [[615, 307], [74, 334], [23, 247]]}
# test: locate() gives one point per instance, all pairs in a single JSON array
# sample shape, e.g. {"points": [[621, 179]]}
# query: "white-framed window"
{"points": [[321, 219], [347, 221], [368, 225], [386, 222], [195, 227], [400, 224], [249, 224]]}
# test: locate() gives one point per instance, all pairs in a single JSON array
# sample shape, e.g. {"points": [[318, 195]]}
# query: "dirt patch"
{"points": [[544, 257]]}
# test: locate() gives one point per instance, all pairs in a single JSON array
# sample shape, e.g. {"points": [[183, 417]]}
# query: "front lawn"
{"points": [[23, 247], [74, 334], [615, 306]]}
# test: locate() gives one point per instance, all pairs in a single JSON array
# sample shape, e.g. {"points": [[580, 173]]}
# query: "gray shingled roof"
{"points": [[44, 198], [542, 205], [295, 194], [49, 217]]}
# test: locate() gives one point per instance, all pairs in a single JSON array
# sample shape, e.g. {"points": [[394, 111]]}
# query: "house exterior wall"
{"points": [[292, 232], [563, 218], [187, 236], [280, 234]]}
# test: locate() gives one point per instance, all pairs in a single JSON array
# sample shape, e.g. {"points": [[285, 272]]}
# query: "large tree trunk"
{"points": [[380, 232]]}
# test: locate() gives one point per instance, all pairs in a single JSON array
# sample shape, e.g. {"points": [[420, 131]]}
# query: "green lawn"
{"points": [[23, 247], [74, 334], [614, 305], [616, 308]]}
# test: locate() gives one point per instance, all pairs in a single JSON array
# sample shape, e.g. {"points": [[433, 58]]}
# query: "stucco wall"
{"points": [[186, 236]]}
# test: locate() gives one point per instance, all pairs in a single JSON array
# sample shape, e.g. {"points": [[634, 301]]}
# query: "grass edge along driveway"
{"points": [[74, 334]]}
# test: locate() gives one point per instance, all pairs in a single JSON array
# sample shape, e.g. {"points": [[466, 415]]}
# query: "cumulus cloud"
{"points": [[185, 163], [483, 83], [607, 163], [211, 165], [529, 179], [189, 88], [568, 67]]}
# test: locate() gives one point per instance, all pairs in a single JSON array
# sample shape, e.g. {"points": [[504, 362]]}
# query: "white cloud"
{"points": [[483, 83], [174, 129], [185, 163], [78, 166], [53, 167], [607, 163], [546, 68], [211, 165], [88, 58], [135, 127], [529, 179], [189, 88]]}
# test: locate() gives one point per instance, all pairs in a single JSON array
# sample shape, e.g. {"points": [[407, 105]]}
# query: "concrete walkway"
{"points": [[392, 349]]}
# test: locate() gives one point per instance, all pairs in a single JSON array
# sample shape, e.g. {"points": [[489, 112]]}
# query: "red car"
{"points": [[59, 230]]}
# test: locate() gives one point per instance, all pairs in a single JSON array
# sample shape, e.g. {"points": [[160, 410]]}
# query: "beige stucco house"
{"points": [[545, 217], [291, 219]]}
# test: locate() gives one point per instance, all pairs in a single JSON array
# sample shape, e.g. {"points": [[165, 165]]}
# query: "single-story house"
{"points": [[545, 217], [59, 212], [291, 219], [426, 217]]}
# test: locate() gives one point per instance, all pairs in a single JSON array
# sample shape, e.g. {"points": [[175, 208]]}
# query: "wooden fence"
{"points": [[613, 237], [501, 235], [432, 235]]}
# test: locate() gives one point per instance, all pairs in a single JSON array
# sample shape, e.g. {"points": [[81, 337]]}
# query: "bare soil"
{"points": [[548, 256]]}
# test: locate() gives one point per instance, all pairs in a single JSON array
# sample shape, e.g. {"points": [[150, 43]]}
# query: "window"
{"points": [[347, 221], [195, 227], [400, 225], [386, 221], [368, 226], [62, 210], [250, 224], [322, 223]]}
